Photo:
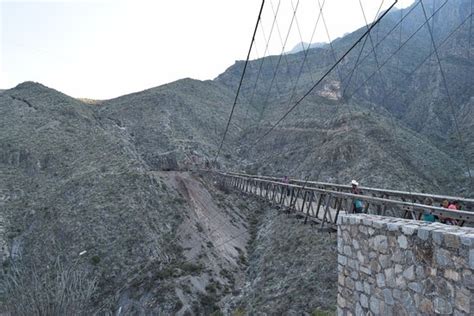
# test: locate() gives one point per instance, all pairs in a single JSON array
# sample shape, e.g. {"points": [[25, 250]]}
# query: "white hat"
{"points": [[354, 182]]}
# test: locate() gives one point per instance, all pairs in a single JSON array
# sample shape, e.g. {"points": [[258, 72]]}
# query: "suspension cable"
{"points": [[450, 100], [241, 80], [327, 73]]}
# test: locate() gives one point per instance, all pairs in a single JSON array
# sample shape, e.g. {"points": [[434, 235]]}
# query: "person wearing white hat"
{"points": [[357, 204]]}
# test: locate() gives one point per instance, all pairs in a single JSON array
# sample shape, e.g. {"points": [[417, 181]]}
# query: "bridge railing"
{"points": [[413, 197], [322, 202]]}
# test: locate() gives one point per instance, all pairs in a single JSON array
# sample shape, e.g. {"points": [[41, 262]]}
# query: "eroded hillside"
{"points": [[83, 207], [101, 196]]}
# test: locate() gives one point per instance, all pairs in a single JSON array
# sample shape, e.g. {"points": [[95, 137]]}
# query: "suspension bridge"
{"points": [[322, 203]]}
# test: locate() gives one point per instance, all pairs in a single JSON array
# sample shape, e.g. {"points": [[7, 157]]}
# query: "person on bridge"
{"points": [[427, 216], [357, 205], [454, 206]]}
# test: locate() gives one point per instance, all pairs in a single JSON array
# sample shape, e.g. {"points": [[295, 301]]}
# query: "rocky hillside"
{"points": [[175, 123], [419, 128], [100, 212], [96, 221]]}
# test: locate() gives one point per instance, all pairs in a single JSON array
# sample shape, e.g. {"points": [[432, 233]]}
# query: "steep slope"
{"points": [[84, 211], [172, 123], [80, 204], [70, 186], [359, 144]]}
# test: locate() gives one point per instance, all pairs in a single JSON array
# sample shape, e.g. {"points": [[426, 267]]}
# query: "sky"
{"points": [[101, 49]]}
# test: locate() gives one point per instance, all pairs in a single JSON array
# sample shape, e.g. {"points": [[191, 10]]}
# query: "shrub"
{"points": [[95, 260], [58, 290]]}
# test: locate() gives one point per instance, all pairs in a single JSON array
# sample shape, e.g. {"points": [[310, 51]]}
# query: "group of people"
{"points": [[358, 207], [453, 205]]}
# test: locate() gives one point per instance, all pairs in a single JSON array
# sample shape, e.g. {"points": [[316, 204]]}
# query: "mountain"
{"points": [[303, 46], [89, 208], [170, 124], [419, 125], [102, 211]]}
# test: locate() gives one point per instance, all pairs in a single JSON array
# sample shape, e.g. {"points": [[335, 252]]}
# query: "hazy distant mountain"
{"points": [[302, 46]]}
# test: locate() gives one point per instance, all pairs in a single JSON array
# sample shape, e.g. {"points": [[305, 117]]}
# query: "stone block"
{"points": [[409, 257], [388, 297], [416, 286], [442, 306], [463, 300], [354, 220], [355, 275], [342, 260], [365, 270], [380, 280], [348, 251], [367, 289], [367, 221], [432, 271], [340, 268], [346, 237], [400, 282], [353, 264], [409, 273], [384, 261], [398, 269], [350, 284], [420, 272], [341, 302], [355, 244], [393, 227], [468, 281], [359, 286], [426, 307], [397, 255], [340, 246], [438, 237], [451, 275], [363, 230], [364, 301], [380, 243], [408, 303], [443, 257], [397, 294], [402, 241], [390, 277], [374, 305], [424, 233], [452, 241], [467, 240], [377, 224], [375, 266], [409, 229], [341, 279]]}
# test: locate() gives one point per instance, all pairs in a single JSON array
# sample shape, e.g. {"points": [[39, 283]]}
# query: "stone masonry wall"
{"points": [[390, 266]]}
